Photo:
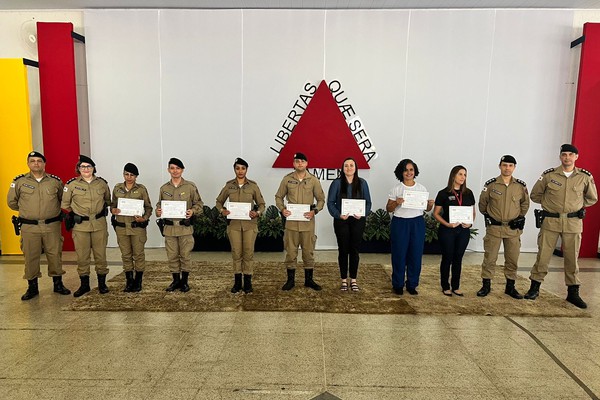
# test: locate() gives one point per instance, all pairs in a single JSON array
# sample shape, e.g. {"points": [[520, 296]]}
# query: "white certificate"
{"points": [[461, 214], [298, 211], [173, 209], [415, 199], [354, 207], [130, 207], [238, 210]]}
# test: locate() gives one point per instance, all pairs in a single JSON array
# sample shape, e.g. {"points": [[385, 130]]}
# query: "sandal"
{"points": [[344, 287], [447, 292], [354, 287], [458, 293]]}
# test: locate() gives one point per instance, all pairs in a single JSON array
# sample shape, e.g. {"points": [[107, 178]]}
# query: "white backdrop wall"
{"points": [[442, 87]]}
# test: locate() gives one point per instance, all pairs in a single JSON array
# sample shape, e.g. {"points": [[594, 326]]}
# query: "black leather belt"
{"points": [[557, 215], [97, 216], [43, 221]]}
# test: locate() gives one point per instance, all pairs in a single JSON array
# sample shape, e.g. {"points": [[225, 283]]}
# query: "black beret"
{"points": [[508, 159], [240, 161], [300, 156], [36, 154], [86, 159], [176, 161], [568, 148], [131, 168]]}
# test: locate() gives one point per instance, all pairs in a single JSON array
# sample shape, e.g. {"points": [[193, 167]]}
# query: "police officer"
{"points": [[178, 232], [563, 192], [86, 199], [36, 196], [131, 229], [504, 201], [242, 233], [300, 187]]}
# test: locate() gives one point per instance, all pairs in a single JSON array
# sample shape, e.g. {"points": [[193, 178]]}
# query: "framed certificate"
{"points": [[173, 208], [461, 214], [354, 207], [238, 210], [415, 200], [298, 211], [130, 207]]}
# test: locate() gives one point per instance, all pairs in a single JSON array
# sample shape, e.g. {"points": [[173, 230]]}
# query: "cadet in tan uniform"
{"points": [[178, 232], [86, 199], [36, 196], [131, 230], [504, 201], [563, 192], [300, 187], [242, 233]]}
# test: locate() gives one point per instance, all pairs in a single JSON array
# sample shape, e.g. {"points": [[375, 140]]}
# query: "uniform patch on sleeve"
{"points": [[485, 188], [66, 189], [490, 181], [12, 185]]}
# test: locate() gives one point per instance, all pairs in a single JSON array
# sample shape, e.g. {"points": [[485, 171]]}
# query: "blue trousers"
{"points": [[408, 239]]}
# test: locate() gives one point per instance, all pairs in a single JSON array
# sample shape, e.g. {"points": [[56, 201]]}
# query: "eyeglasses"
{"points": [[85, 167], [128, 174]]}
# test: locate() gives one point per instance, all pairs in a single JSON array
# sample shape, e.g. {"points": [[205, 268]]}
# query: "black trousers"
{"points": [[349, 236], [453, 242]]}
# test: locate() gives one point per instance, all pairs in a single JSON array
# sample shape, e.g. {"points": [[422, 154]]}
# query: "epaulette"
{"points": [[71, 180], [490, 181], [521, 182], [548, 171], [55, 177], [18, 176], [588, 173], [105, 181]]}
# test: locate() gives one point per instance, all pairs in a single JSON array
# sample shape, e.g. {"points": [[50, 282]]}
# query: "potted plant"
{"points": [[210, 231], [376, 238], [270, 230]]}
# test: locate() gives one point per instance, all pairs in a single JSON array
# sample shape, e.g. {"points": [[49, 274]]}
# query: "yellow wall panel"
{"points": [[15, 131]]}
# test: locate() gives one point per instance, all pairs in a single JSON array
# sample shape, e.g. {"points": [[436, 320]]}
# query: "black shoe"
{"points": [[511, 290], [102, 288], [486, 288], [84, 287], [32, 289], [58, 286], [137, 283], [412, 291], [237, 283], [175, 284], [573, 296], [534, 290], [248, 284], [399, 291], [308, 280], [290, 283], [183, 286], [128, 281]]}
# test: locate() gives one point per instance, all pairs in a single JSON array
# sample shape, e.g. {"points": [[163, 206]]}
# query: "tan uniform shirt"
{"points": [[559, 194], [36, 200], [504, 203], [249, 192], [87, 200], [297, 191], [137, 192], [186, 191]]}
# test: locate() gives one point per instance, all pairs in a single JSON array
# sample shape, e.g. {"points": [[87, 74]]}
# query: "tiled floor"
{"points": [[46, 353]]}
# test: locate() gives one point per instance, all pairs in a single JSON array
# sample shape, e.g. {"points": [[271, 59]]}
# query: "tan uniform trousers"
{"points": [[291, 241], [179, 250], [34, 238], [512, 250], [242, 249], [571, 243], [87, 243], [132, 249]]}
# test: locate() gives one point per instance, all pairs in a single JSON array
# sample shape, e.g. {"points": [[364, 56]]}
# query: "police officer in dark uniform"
{"points": [[36, 196], [504, 201], [563, 192]]}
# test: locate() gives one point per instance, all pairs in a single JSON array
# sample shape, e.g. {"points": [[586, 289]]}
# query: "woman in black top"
{"points": [[454, 237]]}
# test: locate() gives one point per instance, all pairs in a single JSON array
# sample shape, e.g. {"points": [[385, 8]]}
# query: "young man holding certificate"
{"points": [[131, 210], [245, 203], [301, 189], [178, 202]]}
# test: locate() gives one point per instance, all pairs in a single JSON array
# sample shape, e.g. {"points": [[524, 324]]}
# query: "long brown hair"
{"points": [[356, 187], [453, 172]]}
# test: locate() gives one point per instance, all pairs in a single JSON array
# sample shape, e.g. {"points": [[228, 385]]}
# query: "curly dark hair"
{"points": [[401, 167]]}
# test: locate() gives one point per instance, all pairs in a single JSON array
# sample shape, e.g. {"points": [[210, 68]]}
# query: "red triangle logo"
{"points": [[323, 135]]}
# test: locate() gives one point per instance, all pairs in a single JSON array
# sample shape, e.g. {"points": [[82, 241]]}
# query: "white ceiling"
{"points": [[287, 4]]}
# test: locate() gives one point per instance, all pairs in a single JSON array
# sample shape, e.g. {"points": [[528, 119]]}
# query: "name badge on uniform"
{"points": [[168, 194], [555, 182], [497, 192], [29, 186]]}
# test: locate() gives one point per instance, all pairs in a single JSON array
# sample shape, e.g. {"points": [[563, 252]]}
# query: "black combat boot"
{"points": [[308, 279], [102, 288], [32, 289], [183, 286], [511, 290], [289, 284], [573, 296], [129, 281], [58, 285], [137, 283], [237, 285], [84, 287], [486, 288], [248, 284], [534, 290], [175, 284]]}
